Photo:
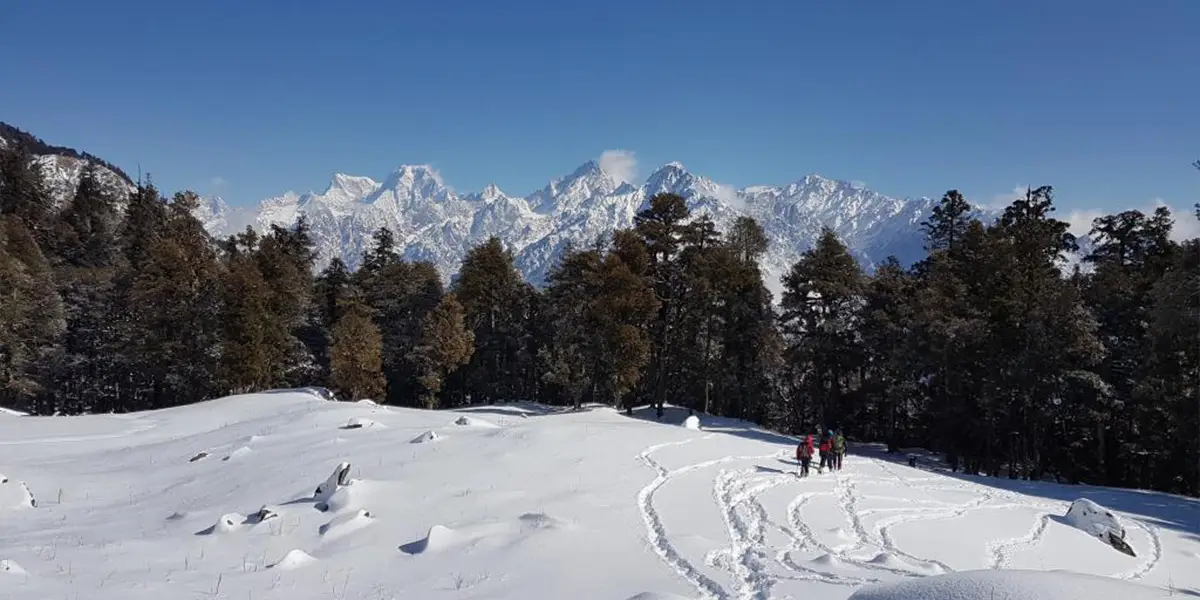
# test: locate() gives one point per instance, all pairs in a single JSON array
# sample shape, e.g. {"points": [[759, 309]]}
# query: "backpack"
{"points": [[839, 443], [803, 451]]}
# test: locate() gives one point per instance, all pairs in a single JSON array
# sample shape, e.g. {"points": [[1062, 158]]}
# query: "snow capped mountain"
{"points": [[433, 222], [62, 167]]}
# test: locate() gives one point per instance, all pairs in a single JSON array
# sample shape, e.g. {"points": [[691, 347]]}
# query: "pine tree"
{"points": [[445, 344], [252, 336], [887, 321], [284, 259], [821, 299], [87, 257], [569, 356], [31, 318], [175, 297], [496, 302], [661, 227], [948, 223], [356, 362], [23, 193]]}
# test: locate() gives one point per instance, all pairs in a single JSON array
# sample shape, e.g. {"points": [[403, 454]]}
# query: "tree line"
{"points": [[987, 350]]}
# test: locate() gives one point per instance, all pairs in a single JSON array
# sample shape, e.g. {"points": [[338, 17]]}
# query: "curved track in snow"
{"points": [[770, 544]]}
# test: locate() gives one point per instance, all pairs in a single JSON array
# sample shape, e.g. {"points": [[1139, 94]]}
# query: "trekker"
{"points": [[839, 448], [804, 454], [826, 451]]}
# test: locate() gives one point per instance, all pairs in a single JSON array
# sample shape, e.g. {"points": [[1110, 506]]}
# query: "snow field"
{"points": [[520, 502]]}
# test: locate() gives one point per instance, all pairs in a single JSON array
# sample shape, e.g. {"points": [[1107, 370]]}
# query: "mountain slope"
{"points": [[433, 222], [62, 166], [516, 501]]}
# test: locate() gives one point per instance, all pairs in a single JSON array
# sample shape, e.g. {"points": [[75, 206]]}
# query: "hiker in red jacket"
{"points": [[826, 452], [804, 454]]}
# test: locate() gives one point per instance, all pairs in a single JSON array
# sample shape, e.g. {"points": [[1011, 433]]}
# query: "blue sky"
{"points": [[1099, 99]]}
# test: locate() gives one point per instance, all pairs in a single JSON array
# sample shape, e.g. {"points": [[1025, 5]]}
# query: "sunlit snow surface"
{"points": [[514, 502]]}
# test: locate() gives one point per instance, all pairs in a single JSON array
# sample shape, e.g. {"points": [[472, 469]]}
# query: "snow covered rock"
{"points": [[237, 454], [226, 524], [1095, 520], [465, 421], [361, 423], [339, 478], [428, 436], [294, 559], [1010, 585], [692, 422], [15, 494], [11, 567]]}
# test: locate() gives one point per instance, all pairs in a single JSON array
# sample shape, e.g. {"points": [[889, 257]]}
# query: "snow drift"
{"points": [[586, 504], [1011, 585]]}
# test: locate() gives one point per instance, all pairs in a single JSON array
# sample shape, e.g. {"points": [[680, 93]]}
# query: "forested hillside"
{"points": [[985, 350]]}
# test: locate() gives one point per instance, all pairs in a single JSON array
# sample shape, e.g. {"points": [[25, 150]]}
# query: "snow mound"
{"points": [[494, 534], [367, 402], [656, 596], [11, 567], [362, 423], [346, 523], [439, 537], [428, 436], [466, 421], [294, 559], [239, 453], [1010, 585], [346, 497], [15, 494], [226, 524], [886, 559], [692, 422], [827, 560], [1097, 521], [540, 521]]}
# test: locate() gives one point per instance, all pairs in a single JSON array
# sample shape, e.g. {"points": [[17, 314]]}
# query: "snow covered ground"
{"points": [[522, 502]]}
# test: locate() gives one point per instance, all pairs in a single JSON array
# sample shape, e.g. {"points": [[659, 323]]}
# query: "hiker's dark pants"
{"points": [[804, 463], [838, 457]]}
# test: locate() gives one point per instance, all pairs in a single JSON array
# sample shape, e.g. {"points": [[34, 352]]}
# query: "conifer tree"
{"points": [[31, 319], [23, 192], [496, 302], [444, 345], [821, 300], [176, 296], [356, 353], [87, 257]]}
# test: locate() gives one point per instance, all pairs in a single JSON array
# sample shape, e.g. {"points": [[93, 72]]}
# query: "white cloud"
{"points": [[727, 194], [1002, 201], [620, 164], [1186, 225]]}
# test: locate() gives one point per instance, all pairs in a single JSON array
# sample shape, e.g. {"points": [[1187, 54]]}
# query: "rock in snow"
{"points": [[1098, 521]]}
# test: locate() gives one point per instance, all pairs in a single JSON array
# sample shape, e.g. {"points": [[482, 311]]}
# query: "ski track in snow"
{"points": [[1156, 552], [656, 533], [1002, 550], [755, 567]]}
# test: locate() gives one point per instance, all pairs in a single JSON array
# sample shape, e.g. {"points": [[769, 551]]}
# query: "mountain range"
{"points": [[433, 222]]}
